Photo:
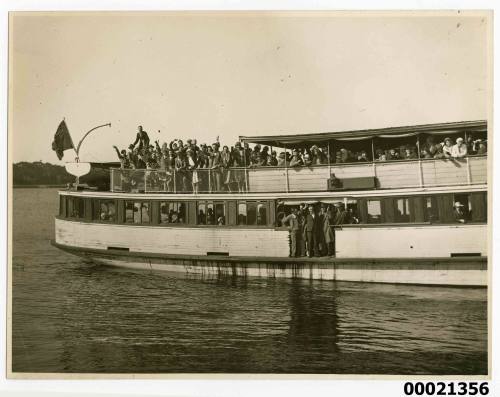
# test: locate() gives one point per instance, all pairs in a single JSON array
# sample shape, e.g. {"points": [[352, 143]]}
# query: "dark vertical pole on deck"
{"points": [[245, 165], [329, 162], [421, 172], [175, 182], [286, 171], [374, 167]]}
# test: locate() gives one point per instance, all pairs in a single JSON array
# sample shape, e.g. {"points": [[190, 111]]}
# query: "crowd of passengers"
{"points": [[311, 232], [189, 155]]}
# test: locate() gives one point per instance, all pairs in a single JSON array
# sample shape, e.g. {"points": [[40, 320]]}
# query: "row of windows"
{"points": [[444, 208], [208, 212]]}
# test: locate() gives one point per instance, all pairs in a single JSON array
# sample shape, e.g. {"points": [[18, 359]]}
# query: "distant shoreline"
{"points": [[36, 186]]}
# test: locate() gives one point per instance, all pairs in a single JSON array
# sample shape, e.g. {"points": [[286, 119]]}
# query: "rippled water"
{"points": [[72, 317]]}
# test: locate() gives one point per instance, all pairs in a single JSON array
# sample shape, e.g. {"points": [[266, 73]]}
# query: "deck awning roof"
{"points": [[391, 132]]}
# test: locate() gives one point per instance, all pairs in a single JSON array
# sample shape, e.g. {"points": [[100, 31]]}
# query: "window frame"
{"points": [[265, 203], [178, 203], [381, 216], [96, 210], [206, 203], [407, 205], [74, 199], [141, 220]]}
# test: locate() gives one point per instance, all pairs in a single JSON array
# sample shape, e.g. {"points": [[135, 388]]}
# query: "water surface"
{"points": [[69, 316]]}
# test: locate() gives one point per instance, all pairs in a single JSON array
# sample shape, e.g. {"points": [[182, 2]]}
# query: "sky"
{"points": [[205, 75]]}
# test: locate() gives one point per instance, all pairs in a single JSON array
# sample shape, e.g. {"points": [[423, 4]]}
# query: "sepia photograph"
{"points": [[249, 192]]}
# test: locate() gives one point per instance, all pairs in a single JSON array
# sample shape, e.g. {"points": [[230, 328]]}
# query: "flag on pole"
{"points": [[62, 140]]}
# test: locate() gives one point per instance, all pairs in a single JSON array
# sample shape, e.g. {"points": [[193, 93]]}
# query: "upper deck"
{"points": [[423, 173], [332, 176]]}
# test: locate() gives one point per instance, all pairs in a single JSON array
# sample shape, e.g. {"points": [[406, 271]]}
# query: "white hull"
{"points": [[427, 241], [409, 276]]}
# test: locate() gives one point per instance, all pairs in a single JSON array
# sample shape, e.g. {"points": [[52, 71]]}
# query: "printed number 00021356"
{"points": [[446, 389]]}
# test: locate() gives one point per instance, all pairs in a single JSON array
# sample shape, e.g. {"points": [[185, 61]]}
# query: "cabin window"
{"points": [[220, 214], [374, 211], [431, 211], [479, 205], [463, 201], [242, 213], [75, 207], [252, 213], [104, 210], [211, 213], [402, 210], [172, 212], [137, 212], [352, 211]]}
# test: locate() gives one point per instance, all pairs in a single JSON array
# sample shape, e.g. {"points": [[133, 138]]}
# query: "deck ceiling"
{"points": [[356, 135]]}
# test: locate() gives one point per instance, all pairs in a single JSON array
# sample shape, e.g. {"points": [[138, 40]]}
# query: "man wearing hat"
{"points": [[281, 160], [124, 160], [255, 156], [311, 228], [296, 161], [341, 214], [459, 213], [273, 160], [459, 150], [329, 235]]}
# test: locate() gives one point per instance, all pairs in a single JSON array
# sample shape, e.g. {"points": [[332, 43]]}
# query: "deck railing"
{"points": [[469, 170]]}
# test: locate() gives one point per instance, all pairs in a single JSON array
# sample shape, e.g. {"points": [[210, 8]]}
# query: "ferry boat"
{"points": [[406, 230]]}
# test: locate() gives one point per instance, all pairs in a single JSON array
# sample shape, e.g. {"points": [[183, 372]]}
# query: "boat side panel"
{"points": [[411, 242], [174, 240]]}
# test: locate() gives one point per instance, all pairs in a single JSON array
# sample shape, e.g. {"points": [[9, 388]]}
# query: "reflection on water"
{"points": [[72, 317]]}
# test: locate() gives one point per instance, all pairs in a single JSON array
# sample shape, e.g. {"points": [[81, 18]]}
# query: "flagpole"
{"points": [[77, 150]]}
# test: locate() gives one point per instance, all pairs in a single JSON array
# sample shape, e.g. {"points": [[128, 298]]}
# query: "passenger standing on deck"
{"points": [[447, 148], [311, 232], [294, 227], [226, 163], [216, 168], [341, 216], [460, 149], [329, 236], [321, 234], [142, 138], [124, 160], [301, 243], [181, 166]]}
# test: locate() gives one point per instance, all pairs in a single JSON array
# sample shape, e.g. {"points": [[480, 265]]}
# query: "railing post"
{"points": [[469, 179], [287, 182], [329, 162], [420, 173], [112, 179], [145, 181], [209, 180], [175, 180], [246, 178]]}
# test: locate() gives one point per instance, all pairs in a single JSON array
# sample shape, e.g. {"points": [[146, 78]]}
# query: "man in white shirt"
{"points": [[460, 149], [294, 227]]}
